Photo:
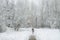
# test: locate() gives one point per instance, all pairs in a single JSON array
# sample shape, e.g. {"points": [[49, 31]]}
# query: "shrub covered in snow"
{"points": [[32, 37]]}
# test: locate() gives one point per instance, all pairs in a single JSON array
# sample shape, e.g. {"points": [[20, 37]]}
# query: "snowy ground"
{"points": [[24, 33]]}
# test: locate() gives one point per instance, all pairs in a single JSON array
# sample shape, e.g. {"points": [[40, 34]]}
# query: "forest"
{"points": [[29, 13]]}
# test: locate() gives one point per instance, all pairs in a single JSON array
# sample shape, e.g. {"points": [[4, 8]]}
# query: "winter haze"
{"points": [[29, 19]]}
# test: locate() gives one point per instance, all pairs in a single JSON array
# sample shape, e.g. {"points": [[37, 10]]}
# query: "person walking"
{"points": [[32, 30]]}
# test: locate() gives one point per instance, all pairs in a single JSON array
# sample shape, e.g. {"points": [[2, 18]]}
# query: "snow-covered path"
{"points": [[41, 34], [15, 36], [47, 34]]}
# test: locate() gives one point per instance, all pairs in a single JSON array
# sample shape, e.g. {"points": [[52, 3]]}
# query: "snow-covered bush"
{"points": [[32, 37], [3, 28], [0, 28]]}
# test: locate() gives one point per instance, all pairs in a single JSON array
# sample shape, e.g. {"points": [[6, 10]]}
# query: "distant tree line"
{"points": [[25, 14]]}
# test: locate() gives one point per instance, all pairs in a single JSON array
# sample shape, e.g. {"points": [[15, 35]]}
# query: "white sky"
{"points": [[36, 2]]}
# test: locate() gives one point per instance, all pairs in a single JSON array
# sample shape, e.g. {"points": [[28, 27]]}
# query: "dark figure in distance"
{"points": [[32, 30]]}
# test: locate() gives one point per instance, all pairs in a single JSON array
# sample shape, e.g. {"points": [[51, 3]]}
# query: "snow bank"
{"points": [[15, 36], [25, 33], [47, 34]]}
